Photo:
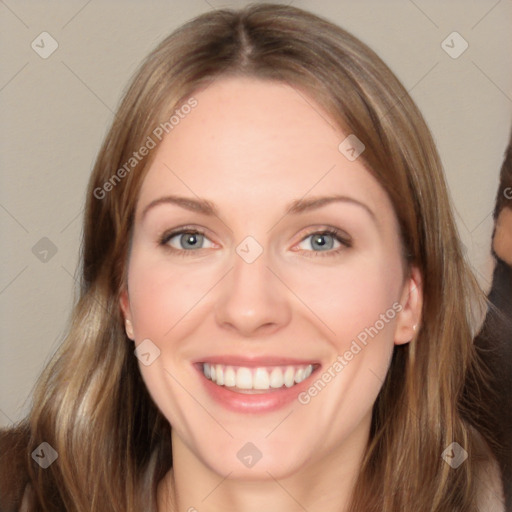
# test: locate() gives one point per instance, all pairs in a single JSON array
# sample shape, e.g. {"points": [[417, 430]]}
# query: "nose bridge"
{"points": [[252, 296]]}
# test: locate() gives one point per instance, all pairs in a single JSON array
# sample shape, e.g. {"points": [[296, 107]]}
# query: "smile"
{"points": [[256, 378]]}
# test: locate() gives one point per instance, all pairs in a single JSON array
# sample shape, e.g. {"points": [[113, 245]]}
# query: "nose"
{"points": [[253, 300]]}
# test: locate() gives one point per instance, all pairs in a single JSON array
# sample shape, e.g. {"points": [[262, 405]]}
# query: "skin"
{"points": [[502, 242], [251, 147]]}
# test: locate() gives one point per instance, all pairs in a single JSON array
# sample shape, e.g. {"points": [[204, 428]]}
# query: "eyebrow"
{"points": [[296, 207]]}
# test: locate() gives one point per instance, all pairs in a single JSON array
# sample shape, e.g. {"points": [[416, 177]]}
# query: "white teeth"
{"points": [[229, 377], [244, 378], [261, 378], [289, 377], [219, 371], [276, 378]]}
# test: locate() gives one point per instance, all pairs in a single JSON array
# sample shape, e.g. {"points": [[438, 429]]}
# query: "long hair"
{"points": [[90, 403]]}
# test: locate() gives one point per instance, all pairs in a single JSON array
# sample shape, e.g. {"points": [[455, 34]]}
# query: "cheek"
{"points": [[358, 303], [349, 299], [161, 295]]}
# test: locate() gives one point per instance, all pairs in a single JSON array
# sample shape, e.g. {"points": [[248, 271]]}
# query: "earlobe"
{"points": [[129, 329], [408, 320], [124, 304]]}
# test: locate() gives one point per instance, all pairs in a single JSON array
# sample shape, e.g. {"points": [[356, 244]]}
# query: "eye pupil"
{"points": [[190, 238], [321, 242]]}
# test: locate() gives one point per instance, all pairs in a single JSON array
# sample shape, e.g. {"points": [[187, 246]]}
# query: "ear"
{"points": [[124, 303], [411, 300]]}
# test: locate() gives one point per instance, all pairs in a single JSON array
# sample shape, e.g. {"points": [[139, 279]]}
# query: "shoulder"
{"points": [[489, 487], [13, 466]]}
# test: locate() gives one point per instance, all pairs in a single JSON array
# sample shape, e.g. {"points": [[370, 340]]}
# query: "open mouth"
{"points": [[260, 379]]}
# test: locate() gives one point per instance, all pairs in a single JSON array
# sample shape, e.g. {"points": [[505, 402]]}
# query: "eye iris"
{"points": [[320, 240], [190, 238]]}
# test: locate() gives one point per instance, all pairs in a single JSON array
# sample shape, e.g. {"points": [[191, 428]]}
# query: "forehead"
{"points": [[251, 142]]}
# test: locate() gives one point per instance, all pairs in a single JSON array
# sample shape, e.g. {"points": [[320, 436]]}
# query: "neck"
{"points": [[325, 485]]}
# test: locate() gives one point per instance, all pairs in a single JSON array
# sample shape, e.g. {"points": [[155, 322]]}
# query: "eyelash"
{"points": [[335, 233]]}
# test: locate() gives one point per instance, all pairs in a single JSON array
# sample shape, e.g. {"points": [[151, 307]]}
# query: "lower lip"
{"points": [[260, 402]]}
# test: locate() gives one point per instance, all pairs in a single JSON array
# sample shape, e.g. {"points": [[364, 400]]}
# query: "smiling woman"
{"points": [[290, 238]]}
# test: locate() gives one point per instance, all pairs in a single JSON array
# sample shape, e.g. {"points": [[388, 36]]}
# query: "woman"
{"points": [[494, 341], [266, 375]]}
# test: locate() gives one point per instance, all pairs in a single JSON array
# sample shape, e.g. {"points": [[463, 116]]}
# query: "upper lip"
{"points": [[248, 361]]}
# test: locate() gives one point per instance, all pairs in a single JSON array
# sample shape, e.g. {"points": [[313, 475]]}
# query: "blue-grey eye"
{"points": [[321, 242], [186, 240]]}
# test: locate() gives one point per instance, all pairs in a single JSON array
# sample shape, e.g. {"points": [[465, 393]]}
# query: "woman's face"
{"points": [[298, 325]]}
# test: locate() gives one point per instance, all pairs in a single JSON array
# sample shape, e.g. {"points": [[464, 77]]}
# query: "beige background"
{"points": [[56, 111]]}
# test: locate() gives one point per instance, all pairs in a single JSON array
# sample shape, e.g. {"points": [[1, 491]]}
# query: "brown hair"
{"points": [[91, 404]]}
